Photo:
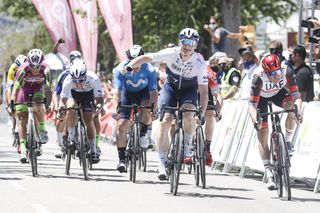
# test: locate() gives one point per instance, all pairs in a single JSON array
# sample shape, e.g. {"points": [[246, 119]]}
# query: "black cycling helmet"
{"points": [[134, 51]]}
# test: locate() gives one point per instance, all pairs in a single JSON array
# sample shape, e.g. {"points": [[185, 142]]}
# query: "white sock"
{"points": [[71, 132], [162, 158], [289, 135], [188, 139], [60, 138], [93, 146]]}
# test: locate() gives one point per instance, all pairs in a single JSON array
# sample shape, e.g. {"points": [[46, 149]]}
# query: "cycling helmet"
{"points": [[20, 60], [134, 51], [75, 54], [271, 63], [35, 57], [78, 69], [189, 33]]}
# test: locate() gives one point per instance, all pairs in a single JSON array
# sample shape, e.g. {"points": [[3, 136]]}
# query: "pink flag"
{"points": [[85, 17], [117, 15], [58, 20]]}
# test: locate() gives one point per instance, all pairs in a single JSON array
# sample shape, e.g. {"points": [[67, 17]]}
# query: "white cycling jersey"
{"points": [[270, 89], [92, 82], [182, 73]]}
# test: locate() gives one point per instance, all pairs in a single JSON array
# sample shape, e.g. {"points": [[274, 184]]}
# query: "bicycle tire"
{"points": [[278, 166], [170, 163], [68, 161], [202, 159], [143, 155], [285, 167], [195, 164], [135, 151], [83, 152], [32, 150], [178, 160]]}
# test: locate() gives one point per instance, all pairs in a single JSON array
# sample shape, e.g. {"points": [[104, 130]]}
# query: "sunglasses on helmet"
{"points": [[188, 42]]}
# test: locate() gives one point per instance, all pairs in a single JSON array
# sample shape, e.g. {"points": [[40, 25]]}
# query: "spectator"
{"points": [[249, 64], [213, 63], [230, 81], [304, 74], [275, 47], [219, 34]]}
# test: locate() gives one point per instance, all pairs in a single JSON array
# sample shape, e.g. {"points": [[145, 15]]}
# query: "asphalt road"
{"points": [[109, 191]]}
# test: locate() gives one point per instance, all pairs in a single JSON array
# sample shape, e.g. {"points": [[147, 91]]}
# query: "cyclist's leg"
{"points": [[22, 115], [188, 100], [71, 122], [39, 114], [285, 100], [167, 98], [145, 118], [97, 126], [209, 129]]}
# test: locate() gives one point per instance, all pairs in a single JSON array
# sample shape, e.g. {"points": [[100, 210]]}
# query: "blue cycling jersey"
{"points": [[136, 81], [60, 81]]}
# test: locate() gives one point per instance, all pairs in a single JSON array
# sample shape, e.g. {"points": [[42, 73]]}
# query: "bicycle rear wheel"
{"points": [[135, 152], [143, 159], [32, 150], [285, 167], [178, 160], [83, 151], [68, 161]]}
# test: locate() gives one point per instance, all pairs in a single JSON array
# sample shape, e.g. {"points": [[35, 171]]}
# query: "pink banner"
{"points": [[117, 15], [58, 20], [85, 17]]}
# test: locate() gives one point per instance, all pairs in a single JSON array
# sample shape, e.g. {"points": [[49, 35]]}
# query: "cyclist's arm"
{"points": [[294, 90], [255, 97], [152, 85], [234, 80], [98, 92], [137, 62], [17, 84]]}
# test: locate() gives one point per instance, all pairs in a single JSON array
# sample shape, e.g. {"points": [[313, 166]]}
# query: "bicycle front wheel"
{"points": [[83, 151], [32, 150], [277, 162], [178, 159], [68, 160], [135, 151], [201, 156], [285, 167]]}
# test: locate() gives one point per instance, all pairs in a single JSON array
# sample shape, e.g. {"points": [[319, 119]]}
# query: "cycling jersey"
{"points": [[60, 81], [182, 74], [212, 80], [262, 86], [135, 81], [11, 74], [92, 83]]}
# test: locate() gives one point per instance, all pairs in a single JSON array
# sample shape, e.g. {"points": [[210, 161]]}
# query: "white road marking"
{"points": [[14, 183], [39, 208]]}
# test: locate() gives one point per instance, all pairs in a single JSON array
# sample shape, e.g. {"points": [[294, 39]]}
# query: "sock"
{"points": [[122, 153], [188, 139], [97, 140], [93, 147], [41, 126], [289, 135], [268, 168], [23, 143], [60, 138], [162, 158], [208, 144], [149, 131], [71, 132]]}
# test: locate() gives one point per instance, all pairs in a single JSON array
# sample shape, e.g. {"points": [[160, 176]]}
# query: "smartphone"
{"points": [[313, 40], [307, 24]]}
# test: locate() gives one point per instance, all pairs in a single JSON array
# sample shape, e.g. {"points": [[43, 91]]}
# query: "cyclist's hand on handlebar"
{"points": [[60, 112], [126, 69], [299, 118], [11, 106], [115, 116], [257, 125]]}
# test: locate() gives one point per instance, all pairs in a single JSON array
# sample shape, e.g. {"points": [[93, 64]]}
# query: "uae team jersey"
{"points": [[182, 74], [92, 82]]}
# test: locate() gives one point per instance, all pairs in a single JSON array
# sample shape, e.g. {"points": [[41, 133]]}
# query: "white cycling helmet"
{"points": [[20, 60], [75, 54], [134, 51], [78, 69], [35, 57], [189, 33]]}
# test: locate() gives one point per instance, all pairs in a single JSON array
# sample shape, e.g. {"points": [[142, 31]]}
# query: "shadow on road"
{"points": [[200, 195], [228, 189]]}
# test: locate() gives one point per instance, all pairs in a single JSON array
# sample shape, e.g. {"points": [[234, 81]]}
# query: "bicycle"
{"points": [[33, 144], [134, 150], [176, 149], [279, 151], [81, 146]]}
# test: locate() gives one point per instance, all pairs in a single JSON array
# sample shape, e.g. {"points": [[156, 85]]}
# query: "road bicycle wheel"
{"points": [[277, 166], [143, 159], [32, 150], [83, 152], [178, 160], [68, 161], [285, 167], [170, 162], [135, 151], [201, 156], [196, 163]]}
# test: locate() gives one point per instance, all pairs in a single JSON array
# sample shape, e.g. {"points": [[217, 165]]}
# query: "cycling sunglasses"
{"points": [[188, 42], [35, 66], [78, 81], [274, 73]]}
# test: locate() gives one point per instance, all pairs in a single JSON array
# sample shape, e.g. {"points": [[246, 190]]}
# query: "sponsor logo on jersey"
{"points": [[140, 81]]}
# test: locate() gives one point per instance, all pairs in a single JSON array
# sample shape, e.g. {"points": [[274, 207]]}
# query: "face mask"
{"points": [[276, 52], [215, 69], [212, 25], [247, 64]]}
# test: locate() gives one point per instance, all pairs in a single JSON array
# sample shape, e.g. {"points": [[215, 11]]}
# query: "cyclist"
{"points": [[60, 123], [186, 76], [214, 97], [10, 81], [140, 88], [83, 87], [272, 82], [31, 78]]}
